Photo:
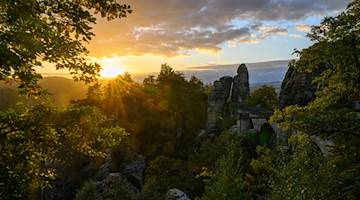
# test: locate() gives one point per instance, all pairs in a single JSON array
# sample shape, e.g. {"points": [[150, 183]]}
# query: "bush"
{"points": [[171, 173], [110, 188], [226, 178], [151, 191]]}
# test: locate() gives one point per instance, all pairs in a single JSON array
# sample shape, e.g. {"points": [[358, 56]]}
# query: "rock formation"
{"points": [[298, 88], [66, 184], [225, 91], [241, 88], [216, 102], [134, 171]]}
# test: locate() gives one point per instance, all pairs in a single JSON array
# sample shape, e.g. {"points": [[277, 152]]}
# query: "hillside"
{"points": [[62, 91]]}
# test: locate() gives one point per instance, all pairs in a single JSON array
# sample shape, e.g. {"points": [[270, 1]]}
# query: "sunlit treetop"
{"points": [[36, 31]]}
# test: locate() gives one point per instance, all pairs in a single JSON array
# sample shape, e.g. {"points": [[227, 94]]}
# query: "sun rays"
{"points": [[111, 71]]}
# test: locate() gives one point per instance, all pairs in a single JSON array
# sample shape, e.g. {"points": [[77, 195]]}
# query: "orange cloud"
{"points": [[303, 27], [173, 28]]}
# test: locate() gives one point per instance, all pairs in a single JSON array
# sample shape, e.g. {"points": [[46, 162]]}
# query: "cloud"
{"points": [[271, 30], [303, 27], [174, 27], [295, 35]]}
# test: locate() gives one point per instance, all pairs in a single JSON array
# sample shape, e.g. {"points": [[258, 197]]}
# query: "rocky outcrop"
{"points": [[134, 171], [241, 88], [67, 182], [298, 88], [104, 170], [176, 194], [216, 102], [227, 90]]}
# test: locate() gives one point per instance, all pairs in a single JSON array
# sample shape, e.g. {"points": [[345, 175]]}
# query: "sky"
{"points": [[190, 34]]}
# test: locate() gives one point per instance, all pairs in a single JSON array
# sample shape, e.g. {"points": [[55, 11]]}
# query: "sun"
{"points": [[111, 71]]}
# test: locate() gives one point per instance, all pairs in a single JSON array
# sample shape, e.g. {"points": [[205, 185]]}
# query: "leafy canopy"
{"points": [[36, 138], [332, 114], [36, 31], [337, 48], [265, 97]]}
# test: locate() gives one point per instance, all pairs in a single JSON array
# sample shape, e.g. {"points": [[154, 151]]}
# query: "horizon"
{"points": [[259, 72]]}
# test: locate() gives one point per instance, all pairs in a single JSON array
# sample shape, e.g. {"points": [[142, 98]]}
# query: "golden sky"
{"points": [[188, 33]]}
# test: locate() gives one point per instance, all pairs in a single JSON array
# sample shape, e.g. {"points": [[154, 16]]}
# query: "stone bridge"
{"points": [[251, 117], [226, 104]]}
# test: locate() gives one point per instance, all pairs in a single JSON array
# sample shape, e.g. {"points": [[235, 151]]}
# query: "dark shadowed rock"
{"points": [[241, 88], [227, 92], [134, 171], [227, 82], [216, 102], [298, 88]]}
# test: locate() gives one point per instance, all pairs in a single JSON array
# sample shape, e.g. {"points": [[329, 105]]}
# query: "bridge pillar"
{"points": [[244, 121]]}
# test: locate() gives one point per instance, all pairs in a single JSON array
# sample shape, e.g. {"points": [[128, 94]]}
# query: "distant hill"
{"points": [[62, 90]]}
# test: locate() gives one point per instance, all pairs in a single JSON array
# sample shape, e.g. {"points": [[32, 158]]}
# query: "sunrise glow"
{"points": [[111, 71]]}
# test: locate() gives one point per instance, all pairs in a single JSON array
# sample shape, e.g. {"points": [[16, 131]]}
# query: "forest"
{"points": [[125, 139]]}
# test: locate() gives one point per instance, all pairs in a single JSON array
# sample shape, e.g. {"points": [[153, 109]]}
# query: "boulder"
{"points": [[176, 194]]}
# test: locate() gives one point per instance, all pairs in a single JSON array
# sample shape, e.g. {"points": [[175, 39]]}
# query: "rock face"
{"points": [[225, 91], [241, 88], [134, 171], [216, 102], [176, 194], [297, 88]]}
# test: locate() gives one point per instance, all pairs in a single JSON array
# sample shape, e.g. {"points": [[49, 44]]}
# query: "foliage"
{"points": [[264, 137], [88, 191], [336, 47], [170, 173], [208, 152], [164, 113], [265, 97], [226, 178], [37, 31], [331, 114], [300, 173], [38, 136], [151, 191], [111, 188]]}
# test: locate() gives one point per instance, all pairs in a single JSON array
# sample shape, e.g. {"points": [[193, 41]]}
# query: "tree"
{"points": [[168, 173], [265, 97], [331, 114], [110, 188], [226, 178], [37, 31], [299, 173], [35, 138], [336, 48]]}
